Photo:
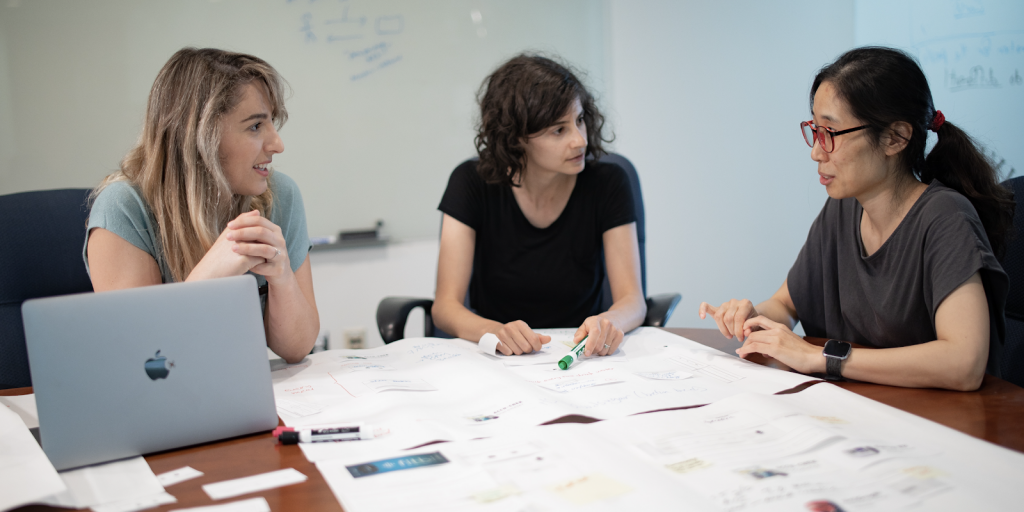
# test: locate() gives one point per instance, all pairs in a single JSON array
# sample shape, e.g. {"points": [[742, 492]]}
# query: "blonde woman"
{"points": [[196, 198]]}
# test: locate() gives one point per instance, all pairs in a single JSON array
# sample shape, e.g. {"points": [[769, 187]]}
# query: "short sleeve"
{"points": [[806, 278], [956, 247], [617, 207], [463, 199], [120, 209], [289, 213]]}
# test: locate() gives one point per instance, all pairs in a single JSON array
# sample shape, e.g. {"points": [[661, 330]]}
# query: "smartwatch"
{"points": [[835, 353]]}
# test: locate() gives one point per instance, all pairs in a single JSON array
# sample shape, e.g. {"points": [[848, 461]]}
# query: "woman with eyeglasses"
{"points": [[197, 199], [903, 256]]}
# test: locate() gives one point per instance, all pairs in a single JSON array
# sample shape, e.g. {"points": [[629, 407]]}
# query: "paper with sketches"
{"points": [[557, 467], [26, 475], [821, 447]]}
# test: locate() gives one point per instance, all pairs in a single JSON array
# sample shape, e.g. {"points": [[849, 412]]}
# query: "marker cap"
{"points": [[565, 362], [289, 437]]}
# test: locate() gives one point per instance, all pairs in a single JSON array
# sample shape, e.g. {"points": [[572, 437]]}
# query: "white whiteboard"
{"points": [[383, 101], [972, 52]]}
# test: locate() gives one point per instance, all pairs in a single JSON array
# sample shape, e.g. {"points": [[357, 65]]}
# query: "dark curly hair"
{"points": [[522, 97], [883, 86]]}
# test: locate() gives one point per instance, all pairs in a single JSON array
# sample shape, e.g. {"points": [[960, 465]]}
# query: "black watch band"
{"points": [[834, 367], [835, 353]]}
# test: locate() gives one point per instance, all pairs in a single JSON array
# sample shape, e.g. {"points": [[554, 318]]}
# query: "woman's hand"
{"points": [[517, 338], [603, 336], [249, 242], [775, 340], [262, 241], [730, 316]]}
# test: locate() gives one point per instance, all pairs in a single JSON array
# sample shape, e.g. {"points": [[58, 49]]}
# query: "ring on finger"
{"points": [[276, 255]]}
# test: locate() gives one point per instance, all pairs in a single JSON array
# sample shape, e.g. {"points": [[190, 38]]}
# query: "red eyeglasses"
{"points": [[825, 136]]}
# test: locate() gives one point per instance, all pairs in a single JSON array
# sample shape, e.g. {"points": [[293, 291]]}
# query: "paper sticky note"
{"points": [[178, 475], [590, 488], [255, 483]]}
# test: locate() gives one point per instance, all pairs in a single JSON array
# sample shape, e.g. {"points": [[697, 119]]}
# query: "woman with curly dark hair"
{"points": [[525, 225], [903, 256]]}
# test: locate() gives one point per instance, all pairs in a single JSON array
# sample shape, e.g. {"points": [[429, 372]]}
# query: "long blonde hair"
{"points": [[176, 166]]}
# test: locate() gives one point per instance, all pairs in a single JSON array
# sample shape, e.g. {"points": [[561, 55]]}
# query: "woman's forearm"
{"points": [[627, 313], [453, 318], [936, 364], [292, 323]]}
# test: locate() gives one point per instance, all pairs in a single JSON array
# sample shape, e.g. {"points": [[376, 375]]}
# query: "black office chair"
{"points": [[1011, 358], [393, 312], [41, 237]]}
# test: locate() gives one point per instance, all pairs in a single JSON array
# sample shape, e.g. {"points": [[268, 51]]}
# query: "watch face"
{"points": [[835, 348]]}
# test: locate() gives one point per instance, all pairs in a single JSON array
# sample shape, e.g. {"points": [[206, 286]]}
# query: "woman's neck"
{"points": [[543, 195], [885, 206]]}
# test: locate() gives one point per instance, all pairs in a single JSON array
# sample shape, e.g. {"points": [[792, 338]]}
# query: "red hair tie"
{"points": [[937, 121]]}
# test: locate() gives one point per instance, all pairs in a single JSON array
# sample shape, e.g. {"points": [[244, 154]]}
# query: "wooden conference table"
{"points": [[995, 413]]}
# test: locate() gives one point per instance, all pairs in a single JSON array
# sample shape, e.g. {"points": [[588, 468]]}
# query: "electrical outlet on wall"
{"points": [[354, 338]]}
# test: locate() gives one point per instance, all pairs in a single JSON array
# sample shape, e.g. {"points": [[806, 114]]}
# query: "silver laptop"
{"points": [[124, 373]]}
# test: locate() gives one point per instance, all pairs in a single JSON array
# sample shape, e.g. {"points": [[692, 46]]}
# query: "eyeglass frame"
{"points": [[832, 134]]}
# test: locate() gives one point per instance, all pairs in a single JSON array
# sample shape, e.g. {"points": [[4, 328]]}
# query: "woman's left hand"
{"points": [[775, 340], [256, 236], [603, 337]]}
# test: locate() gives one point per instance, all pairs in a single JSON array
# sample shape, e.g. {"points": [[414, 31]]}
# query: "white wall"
{"points": [[706, 99], [350, 282]]}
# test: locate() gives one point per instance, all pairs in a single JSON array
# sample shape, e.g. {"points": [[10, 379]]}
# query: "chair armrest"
{"points": [[659, 308], [392, 313]]}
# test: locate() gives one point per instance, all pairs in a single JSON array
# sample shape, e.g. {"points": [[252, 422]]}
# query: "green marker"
{"points": [[573, 355]]}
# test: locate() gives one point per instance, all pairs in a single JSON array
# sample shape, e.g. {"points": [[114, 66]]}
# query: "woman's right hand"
{"points": [[222, 260], [730, 316], [517, 338]]}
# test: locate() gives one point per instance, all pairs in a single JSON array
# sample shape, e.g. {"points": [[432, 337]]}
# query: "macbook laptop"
{"points": [[123, 373]]}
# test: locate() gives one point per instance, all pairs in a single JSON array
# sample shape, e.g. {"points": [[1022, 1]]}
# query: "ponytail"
{"points": [[883, 86], [958, 163]]}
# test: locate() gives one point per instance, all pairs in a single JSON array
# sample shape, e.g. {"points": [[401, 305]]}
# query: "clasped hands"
{"points": [[603, 337], [762, 335], [250, 242]]}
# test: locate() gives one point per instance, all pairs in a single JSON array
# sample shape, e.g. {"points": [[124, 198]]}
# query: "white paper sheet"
{"points": [[558, 467], [135, 504], [250, 505], [489, 344], [255, 483], [26, 475], [25, 406], [113, 482], [755, 452], [178, 476], [470, 387]]}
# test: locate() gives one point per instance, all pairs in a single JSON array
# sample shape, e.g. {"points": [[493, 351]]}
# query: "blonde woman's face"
{"points": [[249, 142]]}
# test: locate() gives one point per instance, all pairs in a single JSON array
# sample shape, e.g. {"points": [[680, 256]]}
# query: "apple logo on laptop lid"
{"points": [[158, 367]]}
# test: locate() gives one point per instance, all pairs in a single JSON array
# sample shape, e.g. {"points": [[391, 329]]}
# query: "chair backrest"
{"points": [[1011, 358], [641, 228], [40, 256]]}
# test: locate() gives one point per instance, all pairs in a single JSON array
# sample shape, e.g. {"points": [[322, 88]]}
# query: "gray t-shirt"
{"points": [[121, 210], [889, 299]]}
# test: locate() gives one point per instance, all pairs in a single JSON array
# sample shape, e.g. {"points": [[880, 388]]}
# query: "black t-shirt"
{"points": [[547, 277], [889, 299]]}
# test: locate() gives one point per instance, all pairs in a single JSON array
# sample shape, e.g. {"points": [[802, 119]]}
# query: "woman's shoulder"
{"points": [[119, 196], [940, 203]]}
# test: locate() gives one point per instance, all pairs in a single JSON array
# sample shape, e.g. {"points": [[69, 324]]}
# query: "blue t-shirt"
{"points": [[120, 209]]}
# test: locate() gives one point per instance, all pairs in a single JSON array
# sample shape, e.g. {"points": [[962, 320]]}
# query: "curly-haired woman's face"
{"points": [[560, 148], [248, 142]]}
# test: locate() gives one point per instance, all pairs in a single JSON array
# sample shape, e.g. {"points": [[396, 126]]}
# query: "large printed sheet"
{"points": [[419, 390], [823, 449]]}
